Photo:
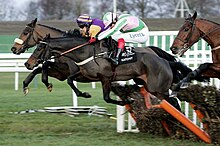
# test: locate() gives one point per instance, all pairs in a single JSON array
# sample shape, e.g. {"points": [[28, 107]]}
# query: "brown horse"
{"points": [[32, 35], [192, 30]]}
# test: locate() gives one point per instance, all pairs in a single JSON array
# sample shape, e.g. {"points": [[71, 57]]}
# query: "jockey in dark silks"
{"points": [[90, 27]]}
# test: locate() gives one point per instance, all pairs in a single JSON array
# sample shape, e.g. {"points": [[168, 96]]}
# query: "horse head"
{"points": [[188, 35], [49, 47], [40, 54], [26, 39]]}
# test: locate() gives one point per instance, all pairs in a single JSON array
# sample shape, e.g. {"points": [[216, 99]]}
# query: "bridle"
{"points": [[25, 43], [186, 41], [186, 44]]}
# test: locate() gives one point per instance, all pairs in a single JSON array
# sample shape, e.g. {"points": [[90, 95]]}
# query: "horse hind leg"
{"points": [[172, 100]]}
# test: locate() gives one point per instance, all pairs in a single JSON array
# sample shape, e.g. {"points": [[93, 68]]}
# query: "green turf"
{"points": [[49, 129]]}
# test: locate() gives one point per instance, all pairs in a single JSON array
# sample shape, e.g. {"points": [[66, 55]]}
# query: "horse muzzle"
{"points": [[174, 50], [28, 66]]}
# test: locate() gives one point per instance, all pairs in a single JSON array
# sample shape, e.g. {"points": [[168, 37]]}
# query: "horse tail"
{"points": [[163, 54], [179, 69]]}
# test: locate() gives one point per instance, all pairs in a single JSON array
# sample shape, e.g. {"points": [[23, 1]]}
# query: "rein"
{"points": [[202, 37], [63, 53], [74, 48]]}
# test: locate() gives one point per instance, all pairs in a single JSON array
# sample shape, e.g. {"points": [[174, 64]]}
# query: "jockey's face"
{"points": [[83, 31], [113, 24]]}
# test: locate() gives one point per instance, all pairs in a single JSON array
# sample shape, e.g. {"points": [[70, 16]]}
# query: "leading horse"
{"points": [[150, 70], [59, 69], [191, 32]]}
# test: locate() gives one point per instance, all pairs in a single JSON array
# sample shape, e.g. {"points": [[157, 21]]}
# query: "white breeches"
{"points": [[141, 36]]}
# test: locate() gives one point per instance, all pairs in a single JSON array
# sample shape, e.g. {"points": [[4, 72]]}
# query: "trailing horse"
{"points": [[191, 32]]}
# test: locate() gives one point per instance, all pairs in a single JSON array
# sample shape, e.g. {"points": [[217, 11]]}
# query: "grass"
{"points": [[47, 129]]}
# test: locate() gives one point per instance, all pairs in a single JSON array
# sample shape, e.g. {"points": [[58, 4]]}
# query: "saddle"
{"points": [[127, 56]]}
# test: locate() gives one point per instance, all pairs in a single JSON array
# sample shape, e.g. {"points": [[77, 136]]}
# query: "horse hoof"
{"points": [[50, 87], [86, 95], [184, 85], [25, 91], [173, 94], [129, 100]]}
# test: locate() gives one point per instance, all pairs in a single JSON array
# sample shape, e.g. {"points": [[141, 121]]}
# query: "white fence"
{"points": [[14, 63], [199, 53]]}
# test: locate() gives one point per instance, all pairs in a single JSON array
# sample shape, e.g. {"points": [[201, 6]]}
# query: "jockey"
{"points": [[124, 28], [90, 27]]}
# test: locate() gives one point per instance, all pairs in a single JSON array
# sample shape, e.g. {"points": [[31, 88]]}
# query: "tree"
{"points": [[51, 9], [33, 10], [79, 7], [142, 7]]}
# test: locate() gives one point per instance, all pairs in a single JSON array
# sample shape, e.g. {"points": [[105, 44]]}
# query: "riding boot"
{"points": [[116, 58], [121, 45]]}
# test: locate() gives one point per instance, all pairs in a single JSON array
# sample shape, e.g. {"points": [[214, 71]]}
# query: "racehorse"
{"points": [[150, 70], [32, 35], [191, 32], [60, 69]]}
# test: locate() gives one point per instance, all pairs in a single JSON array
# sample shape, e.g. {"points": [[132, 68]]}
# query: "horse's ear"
{"points": [[35, 20], [47, 36], [194, 15], [33, 23], [189, 16]]}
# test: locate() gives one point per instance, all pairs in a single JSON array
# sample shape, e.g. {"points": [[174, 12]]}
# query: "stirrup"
{"points": [[114, 61]]}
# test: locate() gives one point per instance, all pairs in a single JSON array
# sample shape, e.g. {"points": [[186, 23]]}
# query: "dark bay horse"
{"points": [[150, 70], [191, 32], [32, 35], [61, 69]]}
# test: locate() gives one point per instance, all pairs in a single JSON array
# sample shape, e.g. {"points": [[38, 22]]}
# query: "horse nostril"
{"points": [[13, 49], [27, 65], [172, 48]]}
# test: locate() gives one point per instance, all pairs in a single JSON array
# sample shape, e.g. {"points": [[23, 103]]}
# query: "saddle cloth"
{"points": [[128, 55]]}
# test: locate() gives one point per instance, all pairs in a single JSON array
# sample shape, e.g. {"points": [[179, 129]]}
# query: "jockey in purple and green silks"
{"points": [[90, 27], [125, 28]]}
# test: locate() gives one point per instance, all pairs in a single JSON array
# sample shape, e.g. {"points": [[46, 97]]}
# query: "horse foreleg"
{"points": [[194, 75], [45, 76], [76, 90], [106, 88], [29, 79]]}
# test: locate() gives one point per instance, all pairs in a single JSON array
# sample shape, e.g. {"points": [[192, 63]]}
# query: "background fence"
{"points": [[199, 53]]}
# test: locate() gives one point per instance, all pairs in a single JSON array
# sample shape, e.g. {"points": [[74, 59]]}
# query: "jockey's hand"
{"points": [[70, 32], [92, 40]]}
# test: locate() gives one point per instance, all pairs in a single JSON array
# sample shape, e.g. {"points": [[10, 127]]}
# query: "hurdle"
{"points": [[175, 113]]}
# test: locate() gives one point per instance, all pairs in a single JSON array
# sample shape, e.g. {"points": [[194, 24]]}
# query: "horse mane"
{"points": [[52, 28], [209, 21], [163, 54]]}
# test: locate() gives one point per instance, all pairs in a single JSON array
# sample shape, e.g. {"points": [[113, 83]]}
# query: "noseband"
{"points": [[25, 44], [185, 41]]}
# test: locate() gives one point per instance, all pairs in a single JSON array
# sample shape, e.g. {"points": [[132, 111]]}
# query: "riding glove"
{"points": [[92, 40]]}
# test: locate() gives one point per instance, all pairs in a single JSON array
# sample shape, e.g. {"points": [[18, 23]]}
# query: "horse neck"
{"points": [[210, 32], [80, 54], [41, 31]]}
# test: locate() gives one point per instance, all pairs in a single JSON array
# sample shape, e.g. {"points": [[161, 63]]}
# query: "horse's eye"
{"points": [[25, 33], [186, 29]]}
